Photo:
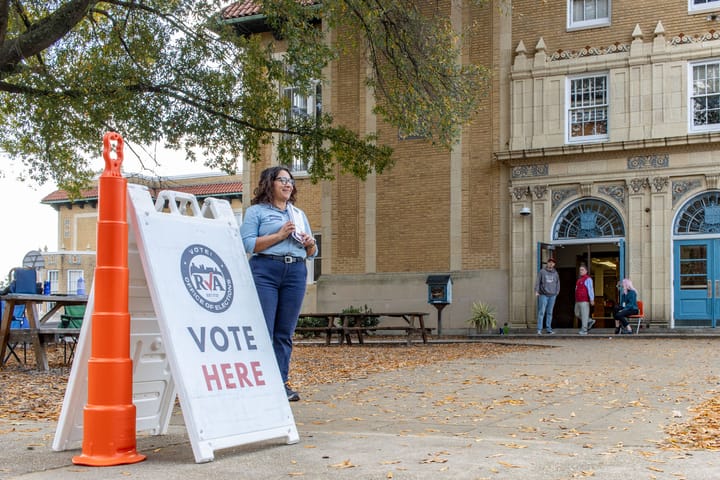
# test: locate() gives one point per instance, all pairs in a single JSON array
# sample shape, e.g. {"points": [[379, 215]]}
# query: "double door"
{"points": [[697, 282]]}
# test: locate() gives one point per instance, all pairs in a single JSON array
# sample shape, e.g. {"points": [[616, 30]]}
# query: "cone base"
{"points": [[108, 461]]}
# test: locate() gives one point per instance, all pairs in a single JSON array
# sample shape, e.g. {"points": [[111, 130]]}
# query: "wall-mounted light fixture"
{"points": [[525, 211]]}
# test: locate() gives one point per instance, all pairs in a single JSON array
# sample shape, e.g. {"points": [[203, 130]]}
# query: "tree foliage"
{"points": [[173, 72]]}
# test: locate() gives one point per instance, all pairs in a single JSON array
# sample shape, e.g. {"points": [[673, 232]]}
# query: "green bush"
{"points": [[311, 322], [369, 321]]}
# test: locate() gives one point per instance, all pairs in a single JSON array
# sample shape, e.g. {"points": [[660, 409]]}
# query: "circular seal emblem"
{"points": [[207, 278]]}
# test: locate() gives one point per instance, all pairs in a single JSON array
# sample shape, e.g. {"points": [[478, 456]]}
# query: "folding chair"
{"points": [[640, 315], [18, 320], [72, 318]]}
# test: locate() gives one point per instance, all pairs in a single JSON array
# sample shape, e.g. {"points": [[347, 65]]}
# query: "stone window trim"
{"points": [[587, 108], [704, 96], [582, 14], [702, 6]]}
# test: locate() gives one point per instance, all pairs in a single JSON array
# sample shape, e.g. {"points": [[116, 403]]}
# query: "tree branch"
{"points": [[42, 34]]}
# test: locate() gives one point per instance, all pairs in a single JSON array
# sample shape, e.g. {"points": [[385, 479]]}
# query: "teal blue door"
{"points": [[697, 283]]}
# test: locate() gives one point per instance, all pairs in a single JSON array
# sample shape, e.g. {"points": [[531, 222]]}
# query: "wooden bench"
{"points": [[328, 329], [407, 331], [350, 323]]}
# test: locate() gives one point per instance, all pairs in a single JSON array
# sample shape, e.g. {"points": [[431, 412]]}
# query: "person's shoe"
{"points": [[617, 330], [582, 333], [626, 332], [591, 323], [292, 395], [551, 332], [539, 332]]}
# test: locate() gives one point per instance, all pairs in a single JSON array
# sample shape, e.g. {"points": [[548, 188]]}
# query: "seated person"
{"points": [[627, 306]]}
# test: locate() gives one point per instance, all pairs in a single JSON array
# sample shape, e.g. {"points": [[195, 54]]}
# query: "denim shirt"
{"points": [[265, 219]]}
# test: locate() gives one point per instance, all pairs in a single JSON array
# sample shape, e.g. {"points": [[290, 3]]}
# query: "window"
{"points": [[702, 5], [588, 219], [588, 13], [53, 277], [705, 97], [73, 277], [587, 109], [314, 268], [317, 267], [302, 108]]}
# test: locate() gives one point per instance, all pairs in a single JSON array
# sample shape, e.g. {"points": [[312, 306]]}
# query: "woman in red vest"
{"points": [[584, 299]]}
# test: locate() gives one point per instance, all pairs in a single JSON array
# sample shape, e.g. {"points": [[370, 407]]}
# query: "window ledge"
{"points": [[573, 149]]}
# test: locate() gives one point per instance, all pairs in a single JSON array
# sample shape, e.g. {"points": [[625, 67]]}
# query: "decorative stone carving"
{"points": [[637, 184], [616, 47], [683, 39], [523, 171], [560, 195], [519, 193], [659, 183], [539, 191], [681, 187], [616, 192], [648, 161], [586, 189], [712, 181]]}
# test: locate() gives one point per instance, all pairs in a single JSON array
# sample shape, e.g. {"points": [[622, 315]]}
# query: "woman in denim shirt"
{"points": [[278, 236]]}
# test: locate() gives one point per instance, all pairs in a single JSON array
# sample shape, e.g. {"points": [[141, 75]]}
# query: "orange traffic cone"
{"points": [[109, 416]]}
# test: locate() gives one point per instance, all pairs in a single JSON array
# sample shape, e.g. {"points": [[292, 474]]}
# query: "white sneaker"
{"points": [[591, 323], [582, 333], [539, 332]]}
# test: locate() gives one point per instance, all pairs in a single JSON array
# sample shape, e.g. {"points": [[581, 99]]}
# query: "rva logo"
{"points": [[207, 278]]}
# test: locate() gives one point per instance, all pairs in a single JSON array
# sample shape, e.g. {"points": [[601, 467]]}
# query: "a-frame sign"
{"points": [[197, 329]]}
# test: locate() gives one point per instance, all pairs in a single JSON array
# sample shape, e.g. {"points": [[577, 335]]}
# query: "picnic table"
{"points": [[345, 324], [39, 332]]}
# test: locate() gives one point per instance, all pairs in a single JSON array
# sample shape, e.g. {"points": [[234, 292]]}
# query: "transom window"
{"points": [[303, 107], [705, 97], [588, 13], [588, 219], [701, 215], [587, 110]]}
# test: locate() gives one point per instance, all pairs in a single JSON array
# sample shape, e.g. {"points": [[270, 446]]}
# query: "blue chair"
{"points": [[22, 280]]}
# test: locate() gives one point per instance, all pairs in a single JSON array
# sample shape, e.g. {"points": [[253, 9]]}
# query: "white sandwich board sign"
{"points": [[196, 327]]}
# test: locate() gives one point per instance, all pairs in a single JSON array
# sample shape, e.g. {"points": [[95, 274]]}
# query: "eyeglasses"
{"points": [[285, 180]]}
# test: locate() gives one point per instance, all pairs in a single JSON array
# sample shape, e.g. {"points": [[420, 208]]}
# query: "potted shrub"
{"points": [[483, 317]]}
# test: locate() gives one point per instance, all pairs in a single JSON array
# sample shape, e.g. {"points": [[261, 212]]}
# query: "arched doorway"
{"points": [[589, 231], [696, 262]]}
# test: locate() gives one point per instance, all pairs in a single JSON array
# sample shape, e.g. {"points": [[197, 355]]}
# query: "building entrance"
{"points": [[604, 268]]}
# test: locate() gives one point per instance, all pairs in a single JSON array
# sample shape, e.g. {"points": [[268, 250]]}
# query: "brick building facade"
{"points": [[595, 144], [600, 126]]}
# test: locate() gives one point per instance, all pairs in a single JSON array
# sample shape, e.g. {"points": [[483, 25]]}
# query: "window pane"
{"points": [[301, 107], [588, 107], [589, 10], [705, 99]]}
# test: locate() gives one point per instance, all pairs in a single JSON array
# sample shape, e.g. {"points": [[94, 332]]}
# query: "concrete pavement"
{"points": [[577, 407]]}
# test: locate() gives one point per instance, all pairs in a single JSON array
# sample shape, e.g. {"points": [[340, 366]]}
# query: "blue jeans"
{"points": [[545, 305], [281, 290]]}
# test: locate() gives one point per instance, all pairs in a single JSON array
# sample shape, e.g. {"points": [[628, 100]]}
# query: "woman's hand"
{"points": [[286, 230], [308, 241]]}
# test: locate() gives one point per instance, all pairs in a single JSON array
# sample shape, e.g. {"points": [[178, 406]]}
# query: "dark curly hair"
{"points": [[264, 190]]}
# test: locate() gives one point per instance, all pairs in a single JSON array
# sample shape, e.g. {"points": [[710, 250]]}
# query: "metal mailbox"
{"points": [[439, 289]]}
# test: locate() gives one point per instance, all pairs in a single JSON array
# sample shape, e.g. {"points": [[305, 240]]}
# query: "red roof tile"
{"points": [[247, 8], [200, 190], [241, 9]]}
